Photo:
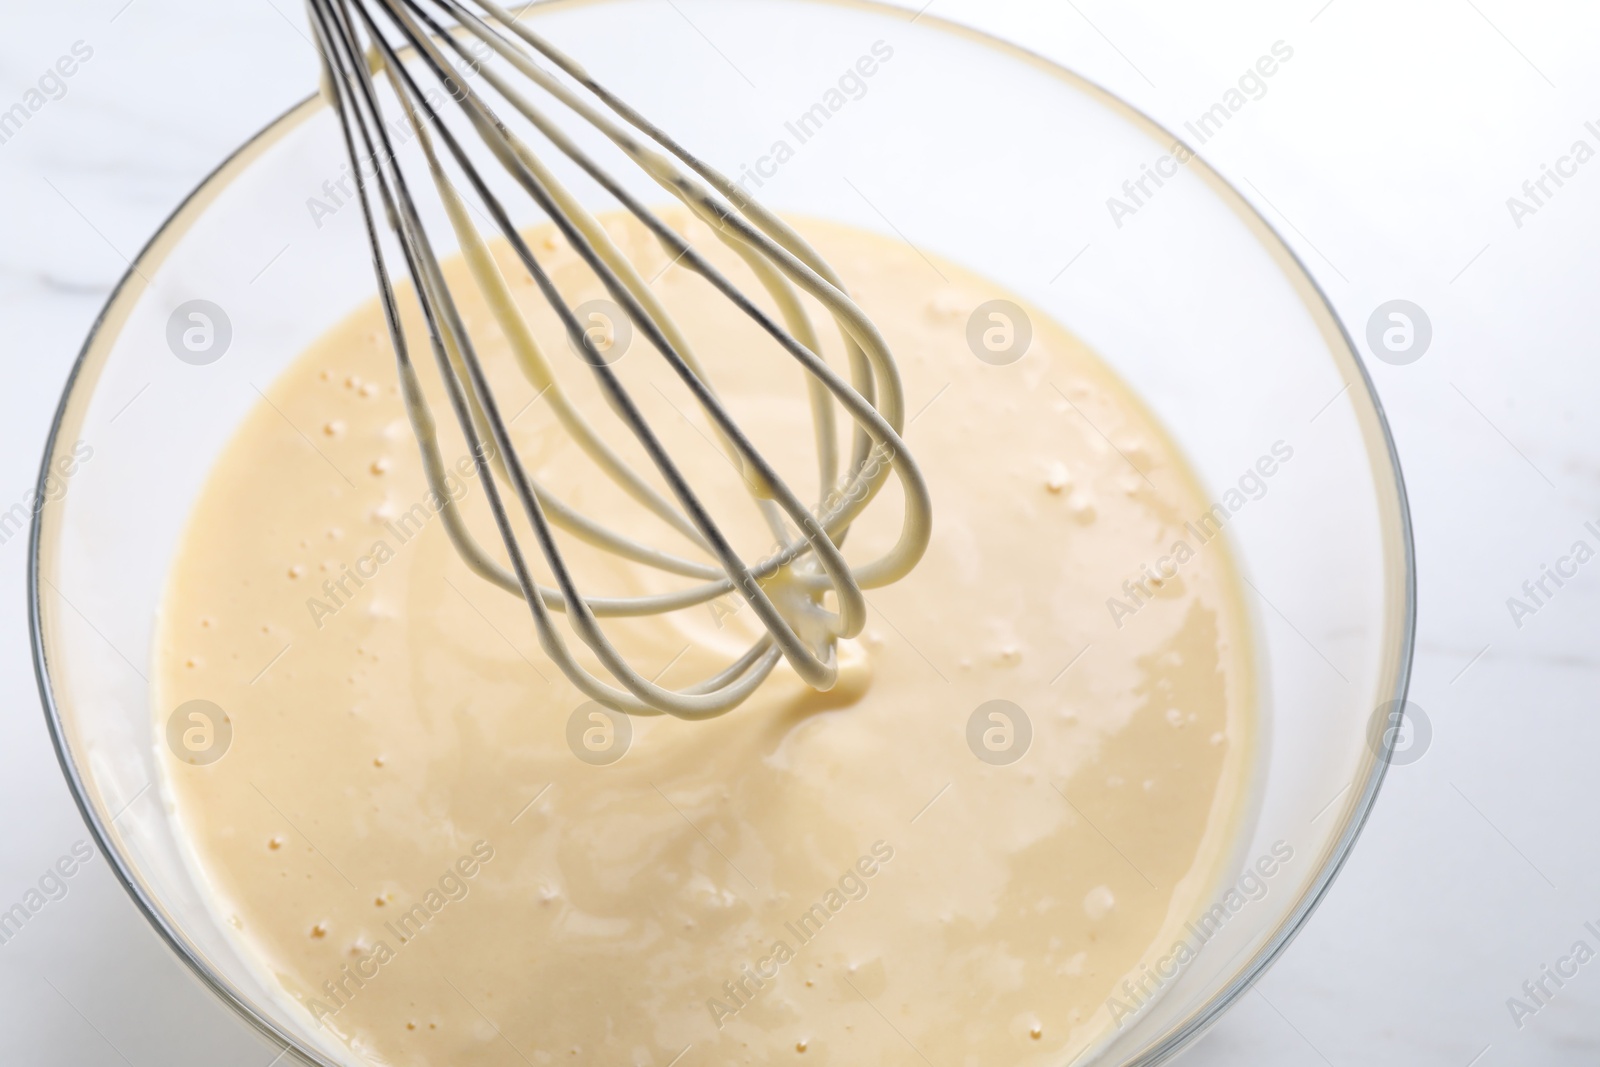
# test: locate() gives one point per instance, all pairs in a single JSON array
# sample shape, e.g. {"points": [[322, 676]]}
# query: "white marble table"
{"points": [[1386, 155]]}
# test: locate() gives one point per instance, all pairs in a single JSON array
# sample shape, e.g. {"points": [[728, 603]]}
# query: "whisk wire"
{"points": [[778, 257], [734, 684], [814, 669]]}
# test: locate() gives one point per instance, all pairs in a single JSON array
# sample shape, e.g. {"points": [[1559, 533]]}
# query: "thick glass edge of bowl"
{"points": [[1399, 558], [128, 288]]}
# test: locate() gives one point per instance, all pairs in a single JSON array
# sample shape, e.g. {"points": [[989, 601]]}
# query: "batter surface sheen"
{"points": [[404, 838]]}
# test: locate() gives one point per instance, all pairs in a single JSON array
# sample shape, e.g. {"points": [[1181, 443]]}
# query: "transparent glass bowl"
{"points": [[957, 143]]}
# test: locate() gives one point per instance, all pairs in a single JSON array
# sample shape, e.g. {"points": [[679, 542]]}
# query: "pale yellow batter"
{"points": [[402, 836]]}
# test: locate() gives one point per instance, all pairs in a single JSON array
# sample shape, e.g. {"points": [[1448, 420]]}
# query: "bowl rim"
{"points": [[1199, 1018]]}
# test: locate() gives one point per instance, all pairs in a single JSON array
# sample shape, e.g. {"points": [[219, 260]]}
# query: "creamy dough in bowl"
{"points": [[1031, 774]]}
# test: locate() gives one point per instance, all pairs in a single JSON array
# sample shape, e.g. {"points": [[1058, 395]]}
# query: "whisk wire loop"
{"points": [[808, 541]]}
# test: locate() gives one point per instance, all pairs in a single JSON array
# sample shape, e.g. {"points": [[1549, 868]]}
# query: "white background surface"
{"points": [[1385, 153]]}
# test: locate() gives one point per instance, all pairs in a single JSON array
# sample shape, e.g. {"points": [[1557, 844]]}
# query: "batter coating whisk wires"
{"points": [[387, 59]]}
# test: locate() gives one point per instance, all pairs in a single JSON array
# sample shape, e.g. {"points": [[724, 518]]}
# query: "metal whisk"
{"points": [[361, 42]]}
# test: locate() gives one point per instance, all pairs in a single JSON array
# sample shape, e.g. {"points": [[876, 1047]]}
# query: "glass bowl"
{"points": [[961, 145]]}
